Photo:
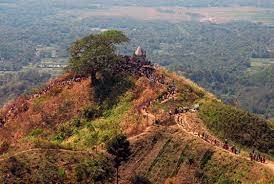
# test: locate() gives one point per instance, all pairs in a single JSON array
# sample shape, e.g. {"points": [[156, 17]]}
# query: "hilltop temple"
{"points": [[139, 56]]}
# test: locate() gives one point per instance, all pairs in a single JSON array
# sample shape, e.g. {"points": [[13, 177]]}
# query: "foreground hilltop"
{"points": [[178, 132], [59, 136]]}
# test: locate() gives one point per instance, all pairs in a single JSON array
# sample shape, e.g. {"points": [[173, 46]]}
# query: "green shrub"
{"points": [[95, 169], [62, 173], [45, 144], [67, 129], [90, 112], [36, 132], [207, 156]]}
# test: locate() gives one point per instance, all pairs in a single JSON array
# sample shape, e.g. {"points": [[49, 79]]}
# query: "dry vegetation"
{"points": [[171, 156], [60, 137]]}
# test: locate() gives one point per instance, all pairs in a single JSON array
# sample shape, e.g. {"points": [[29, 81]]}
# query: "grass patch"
{"points": [[36, 133], [84, 134]]}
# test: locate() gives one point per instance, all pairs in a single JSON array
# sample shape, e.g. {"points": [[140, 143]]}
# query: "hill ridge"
{"points": [[145, 112]]}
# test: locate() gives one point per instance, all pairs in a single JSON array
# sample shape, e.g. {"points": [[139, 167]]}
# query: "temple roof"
{"points": [[139, 51]]}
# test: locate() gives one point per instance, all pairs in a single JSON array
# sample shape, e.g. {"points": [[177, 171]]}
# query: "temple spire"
{"points": [[139, 51]]}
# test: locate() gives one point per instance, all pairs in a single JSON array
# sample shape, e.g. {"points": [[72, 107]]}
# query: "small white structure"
{"points": [[139, 55]]}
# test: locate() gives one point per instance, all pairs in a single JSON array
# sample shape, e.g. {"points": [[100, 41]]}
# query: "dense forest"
{"points": [[220, 57]]}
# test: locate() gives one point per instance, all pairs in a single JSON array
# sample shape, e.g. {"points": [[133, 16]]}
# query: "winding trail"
{"points": [[185, 123]]}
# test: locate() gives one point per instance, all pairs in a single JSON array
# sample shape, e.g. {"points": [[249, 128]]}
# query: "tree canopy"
{"points": [[95, 53], [120, 148]]}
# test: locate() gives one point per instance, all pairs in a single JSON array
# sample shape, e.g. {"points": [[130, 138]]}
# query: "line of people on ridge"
{"points": [[254, 156], [171, 91]]}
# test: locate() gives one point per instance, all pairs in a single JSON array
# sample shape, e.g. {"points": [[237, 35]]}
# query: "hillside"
{"points": [[58, 133], [179, 38]]}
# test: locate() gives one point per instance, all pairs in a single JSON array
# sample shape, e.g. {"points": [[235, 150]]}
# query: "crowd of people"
{"points": [[147, 70], [136, 69], [55, 84], [127, 66], [254, 156], [139, 69], [168, 94]]}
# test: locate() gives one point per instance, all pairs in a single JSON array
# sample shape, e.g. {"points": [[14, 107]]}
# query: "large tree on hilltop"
{"points": [[95, 53]]}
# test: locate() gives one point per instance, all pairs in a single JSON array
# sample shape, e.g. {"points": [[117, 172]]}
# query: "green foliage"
{"points": [[36, 132], [187, 48], [108, 126], [181, 160], [206, 157], [62, 173], [95, 53], [45, 144], [67, 129], [93, 170], [83, 133], [259, 99], [48, 166], [158, 157], [110, 87], [237, 125], [228, 173], [90, 112], [119, 147]]}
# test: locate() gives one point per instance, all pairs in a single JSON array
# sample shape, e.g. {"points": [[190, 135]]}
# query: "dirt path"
{"points": [[190, 125], [151, 119], [186, 124], [136, 137]]}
